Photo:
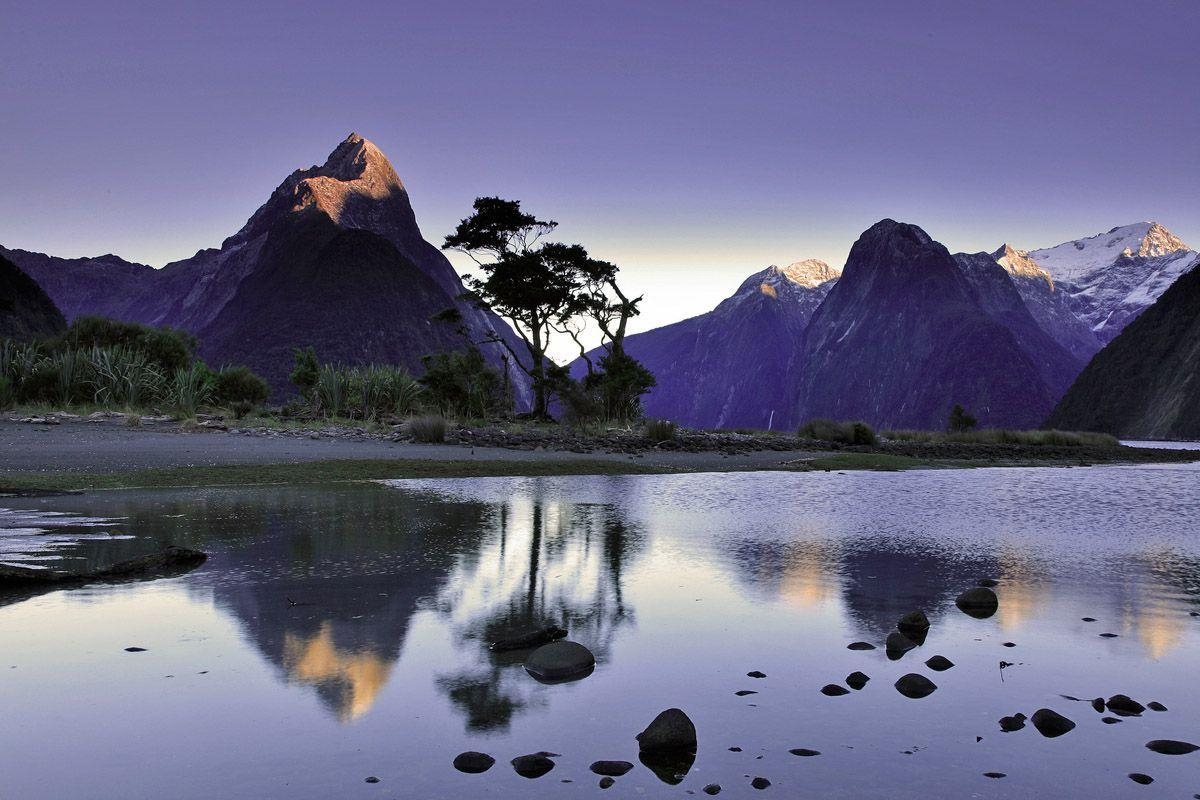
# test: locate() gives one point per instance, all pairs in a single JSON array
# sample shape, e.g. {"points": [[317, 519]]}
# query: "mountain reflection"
{"points": [[541, 562]]}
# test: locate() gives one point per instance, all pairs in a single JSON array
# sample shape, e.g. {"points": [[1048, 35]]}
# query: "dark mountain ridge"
{"points": [[26, 312]]}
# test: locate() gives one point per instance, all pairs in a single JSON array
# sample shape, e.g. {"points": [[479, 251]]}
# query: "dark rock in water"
{"points": [[756, 674], [979, 602], [1014, 723], [1110, 720], [804, 752], [914, 625], [669, 766], [606, 782], [988, 583], [1010, 644], [560, 661], [473, 763], [915, 686], [712, 788], [526, 641], [833, 690], [939, 663], [1124, 706], [1141, 777], [760, 783], [371, 779], [994, 775], [534, 765], [1170, 747], [744, 692], [1109, 635], [670, 731], [613, 768], [135, 649], [1098, 704], [1154, 705], [860, 646], [735, 749], [1050, 723], [898, 644], [1088, 619], [857, 680]]}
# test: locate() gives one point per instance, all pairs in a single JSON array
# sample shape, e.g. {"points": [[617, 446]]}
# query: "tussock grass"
{"points": [[827, 430], [994, 436]]}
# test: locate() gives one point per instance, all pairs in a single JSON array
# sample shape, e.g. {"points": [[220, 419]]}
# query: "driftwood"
{"points": [[528, 640], [169, 562]]}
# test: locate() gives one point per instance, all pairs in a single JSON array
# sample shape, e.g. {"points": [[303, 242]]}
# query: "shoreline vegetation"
{"points": [[477, 449]]}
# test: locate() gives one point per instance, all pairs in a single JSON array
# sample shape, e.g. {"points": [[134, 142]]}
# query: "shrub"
{"points": [[332, 391], [305, 370], [660, 430], [827, 430], [239, 385], [191, 388], [619, 385], [241, 408], [166, 348], [124, 377], [462, 384], [8, 395], [430, 428], [960, 420]]}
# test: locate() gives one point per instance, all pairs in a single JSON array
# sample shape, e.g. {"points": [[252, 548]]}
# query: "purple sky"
{"points": [[690, 142]]}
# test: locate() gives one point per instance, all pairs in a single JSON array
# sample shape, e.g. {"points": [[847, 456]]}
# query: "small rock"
{"points": [[1109, 635], [914, 625], [804, 752], [1050, 723], [744, 692], [898, 644], [1171, 747], [860, 646], [560, 661], [760, 783], [1098, 704], [735, 749], [833, 690], [939, 663], [135, 649], [979, 602], [606, 781], [372, 779], [1110, 720], [712, 788], [915, 686], [611, 768], [1141, 777], [1014, 723], [473, 763], [1154, 705], [672, 730], [1088, 619], [756, 674], [531, 766], [988, 583], [1124, 706], [1010, 644], [857, 680], [994, 775]]}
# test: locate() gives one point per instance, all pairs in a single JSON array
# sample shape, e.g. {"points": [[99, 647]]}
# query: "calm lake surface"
{"points": [[341, 632]]}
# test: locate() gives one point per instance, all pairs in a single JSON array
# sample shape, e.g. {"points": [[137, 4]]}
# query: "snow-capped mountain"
{"points": [[1112, 277], [731, 367]]}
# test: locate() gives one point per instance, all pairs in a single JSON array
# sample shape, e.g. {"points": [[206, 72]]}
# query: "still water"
{"points": [[341, 632]]}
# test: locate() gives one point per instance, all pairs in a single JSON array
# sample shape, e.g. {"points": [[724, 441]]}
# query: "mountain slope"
{"points": [[106, 286], [902, 337], [1049, 303], [730, 367], [249, 303], [1146, 382], [26, 312], [1112, 277], [998, 296]]}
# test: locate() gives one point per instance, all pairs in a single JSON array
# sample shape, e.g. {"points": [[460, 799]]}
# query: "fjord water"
{"points": [[340, 632]]}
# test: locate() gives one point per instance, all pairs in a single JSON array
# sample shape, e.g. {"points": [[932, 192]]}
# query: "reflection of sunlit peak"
{"points": [[356, 678], [1021, 590], [1158, 628], [809, 576]]}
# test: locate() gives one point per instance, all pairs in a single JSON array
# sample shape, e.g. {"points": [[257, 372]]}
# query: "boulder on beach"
{"points": [[857, 680], [614, 768], [534, 765], [833, 690], [1124, 706], [473, 763], [939, 663], [1014, 723], [1171, 747], [672, 731], [560, 661], [898, 644], [914, 625]]}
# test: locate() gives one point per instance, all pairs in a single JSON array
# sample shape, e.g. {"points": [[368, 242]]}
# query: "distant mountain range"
{"points": [[915, 332], [26, 312], [1146, 382], [333, 259]]}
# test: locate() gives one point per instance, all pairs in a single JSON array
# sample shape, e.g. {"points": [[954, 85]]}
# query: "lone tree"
{"points": [[542, 288], [960, 420]]}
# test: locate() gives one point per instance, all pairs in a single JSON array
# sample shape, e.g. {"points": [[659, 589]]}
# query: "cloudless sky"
{"points": [[690, 142]]}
